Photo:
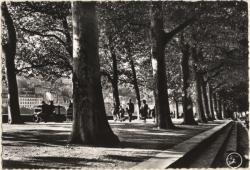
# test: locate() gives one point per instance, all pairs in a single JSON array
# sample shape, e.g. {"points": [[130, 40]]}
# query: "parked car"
{"points": [[58, 115]]}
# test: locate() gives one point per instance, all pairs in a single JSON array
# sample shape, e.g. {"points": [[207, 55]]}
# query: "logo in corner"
{"points": [[234, 160]]}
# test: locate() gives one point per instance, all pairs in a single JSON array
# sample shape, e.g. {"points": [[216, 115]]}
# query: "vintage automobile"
{"points": [[58, 115]]}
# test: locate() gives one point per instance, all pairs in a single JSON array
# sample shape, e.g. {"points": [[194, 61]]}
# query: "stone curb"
{"points": [[167, 157]]}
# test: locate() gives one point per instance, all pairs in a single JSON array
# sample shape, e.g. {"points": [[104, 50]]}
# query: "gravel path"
{"points": [[45, 145]]}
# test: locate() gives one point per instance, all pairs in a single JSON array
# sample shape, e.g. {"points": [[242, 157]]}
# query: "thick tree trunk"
{"points": [[218, 107], [205, 99], [186, 100], [198, 89], [9, 51], [115, 82], [90, 124], [159, 67], [68, 41], [210, 101], [177, 109], [222, 110], [215, 105], [115, 97], [136, 87]]}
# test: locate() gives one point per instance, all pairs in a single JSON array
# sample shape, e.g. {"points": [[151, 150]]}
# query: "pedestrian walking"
{"points": [[121, 113], [130, 109], [144, 110]]}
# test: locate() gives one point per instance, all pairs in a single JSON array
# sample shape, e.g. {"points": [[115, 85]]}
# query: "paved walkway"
{"points": [[169, 156], [44, 145]]}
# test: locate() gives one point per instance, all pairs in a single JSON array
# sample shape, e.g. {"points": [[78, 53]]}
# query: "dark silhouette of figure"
{"points": [[44, 114], [70, 111], [121, 113], [144, 110], [130, 110], [51, 108]]}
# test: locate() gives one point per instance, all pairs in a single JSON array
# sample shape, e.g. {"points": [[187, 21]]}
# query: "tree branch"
{"points": [[45, 35], [214, 75], [170, 35], [213, 69], [106, 74], [36, 66]]}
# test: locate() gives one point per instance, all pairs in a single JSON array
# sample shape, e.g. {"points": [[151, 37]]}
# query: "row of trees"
{"points": [[196, 49]]}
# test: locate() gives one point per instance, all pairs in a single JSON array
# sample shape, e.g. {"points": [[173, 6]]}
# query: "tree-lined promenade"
{"points": [[194, 53]]}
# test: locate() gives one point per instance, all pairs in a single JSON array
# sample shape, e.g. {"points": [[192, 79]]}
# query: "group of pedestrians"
{"points": [[144, 111], [120, 114]]}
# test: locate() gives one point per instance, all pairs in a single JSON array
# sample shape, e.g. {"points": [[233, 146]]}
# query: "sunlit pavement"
{"points": [[24, 144]]}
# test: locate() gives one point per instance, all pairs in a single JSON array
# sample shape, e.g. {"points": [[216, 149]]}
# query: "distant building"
{"points": [[29, 101]]}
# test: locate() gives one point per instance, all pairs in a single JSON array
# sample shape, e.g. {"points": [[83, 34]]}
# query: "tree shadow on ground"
{"points": [[51, 162], [128, 158], [134, 136], [131, 136], [37, 137]]}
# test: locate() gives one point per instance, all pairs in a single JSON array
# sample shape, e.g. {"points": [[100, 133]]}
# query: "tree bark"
{"points": [[115, 97], [159, 67], [68, 39], [210, 101], [9, 51], [90, 125], [205, 99], [136, 87], [134, 79], [219, 115], [186, 100], [215, 105], [177, 109], [115, 82], [222, 110], [198, 88]]}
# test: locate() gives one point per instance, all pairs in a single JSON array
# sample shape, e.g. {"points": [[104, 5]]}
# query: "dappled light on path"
{"points": [[45, 145]]}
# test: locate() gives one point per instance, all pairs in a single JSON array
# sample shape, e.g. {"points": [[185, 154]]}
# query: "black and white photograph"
{"points": [[124, 84]]}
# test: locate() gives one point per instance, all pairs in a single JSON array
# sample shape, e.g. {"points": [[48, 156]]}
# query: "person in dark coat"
{"points": [[130, 110], [144, 110], [121, 113], [44, 114]]}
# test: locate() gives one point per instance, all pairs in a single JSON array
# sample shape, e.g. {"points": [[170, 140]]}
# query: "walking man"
{"points": [[144, 110], [130, 110]]}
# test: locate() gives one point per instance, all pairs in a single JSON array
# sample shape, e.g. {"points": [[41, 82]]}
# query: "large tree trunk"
{"points": [[115, 97], [136, 87], [68, 41], [90, 125], [134, 81], [215, 104], [223, 110], [159, 67], [9, 51], [198, 88], [115, 81], [210, 101], [177, 108], [186, 100], [205, 99], [218, 107]]}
